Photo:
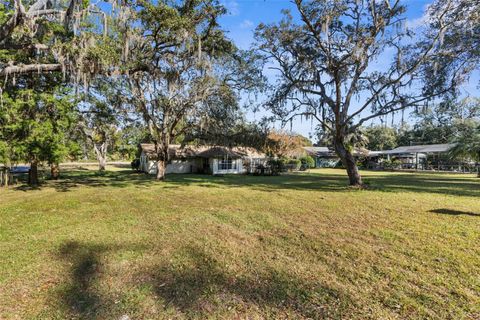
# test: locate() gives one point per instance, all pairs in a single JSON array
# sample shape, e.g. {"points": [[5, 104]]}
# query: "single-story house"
{"points": [[203, 159]]}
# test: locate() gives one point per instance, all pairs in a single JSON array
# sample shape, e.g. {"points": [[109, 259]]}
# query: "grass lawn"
{"points": [[296, 246]]}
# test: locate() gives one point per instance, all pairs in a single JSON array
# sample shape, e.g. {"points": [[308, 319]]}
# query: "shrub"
{"points": [[284, 164], [308, 161], [276, 165], [397, 164], [339, 165], [135, 164], [387, 164], [294, 164], [392, 164]]}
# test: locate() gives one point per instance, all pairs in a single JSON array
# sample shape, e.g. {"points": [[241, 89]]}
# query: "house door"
{"points": [[206, 165]]}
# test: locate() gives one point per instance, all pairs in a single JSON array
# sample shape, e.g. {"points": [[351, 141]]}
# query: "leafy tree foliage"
{"points": [[128, 137], [285, 144], [381, 138], [308, 161], [44, 36], [441, 122], [459, 40], [34, 124], [356, 140], [43, 44], [468, 143]]}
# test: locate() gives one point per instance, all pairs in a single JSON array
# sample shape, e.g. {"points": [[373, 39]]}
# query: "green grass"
{"points": [[296, 246]]}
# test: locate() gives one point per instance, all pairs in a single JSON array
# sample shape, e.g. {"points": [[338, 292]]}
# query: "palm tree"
{"points": [[467, 145]]}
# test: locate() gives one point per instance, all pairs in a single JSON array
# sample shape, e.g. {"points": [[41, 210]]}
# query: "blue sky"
{"points": [[245, 15]]}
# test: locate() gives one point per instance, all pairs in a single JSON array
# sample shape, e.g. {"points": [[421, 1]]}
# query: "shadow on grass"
{"points": [[427, 183], [417, 183], [201, 284], [25, 187], [73, 179], [197, 286], [455, 212], [389, 182], [79, 294]]}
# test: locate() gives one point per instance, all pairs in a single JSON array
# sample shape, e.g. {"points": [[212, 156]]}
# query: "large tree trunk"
{"points": [[161, 168], [101, 153], [162, 160], [33, 173], [54, 171], [102, 163], [350, 164]]}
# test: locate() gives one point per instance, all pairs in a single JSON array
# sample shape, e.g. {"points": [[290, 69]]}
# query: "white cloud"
{"points": [[232, 7], [246, 24], [416, 23], [421, 21]]}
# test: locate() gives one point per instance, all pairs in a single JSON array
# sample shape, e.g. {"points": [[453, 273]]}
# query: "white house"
{"points": [[203, 159]]}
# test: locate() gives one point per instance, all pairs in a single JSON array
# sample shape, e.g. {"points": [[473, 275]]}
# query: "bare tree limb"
{"points": [[30, 68]]}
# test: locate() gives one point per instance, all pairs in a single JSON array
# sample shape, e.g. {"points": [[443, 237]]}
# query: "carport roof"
{"points": [[428, 148], [316, 150]]}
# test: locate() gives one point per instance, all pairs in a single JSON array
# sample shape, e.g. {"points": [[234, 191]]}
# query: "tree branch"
{"points": [[30, 68], [16, 19], [408, 71]]}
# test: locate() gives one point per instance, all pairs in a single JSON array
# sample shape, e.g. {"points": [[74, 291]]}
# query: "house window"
{"points": [[226, 164], [255, 162]]}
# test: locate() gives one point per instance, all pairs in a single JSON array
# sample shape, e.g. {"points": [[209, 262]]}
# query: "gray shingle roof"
{"points": [[218, 152], [191, 151]]}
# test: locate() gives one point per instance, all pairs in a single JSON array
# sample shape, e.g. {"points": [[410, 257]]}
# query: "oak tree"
{"points": [[327, 63], [184, 63]]}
